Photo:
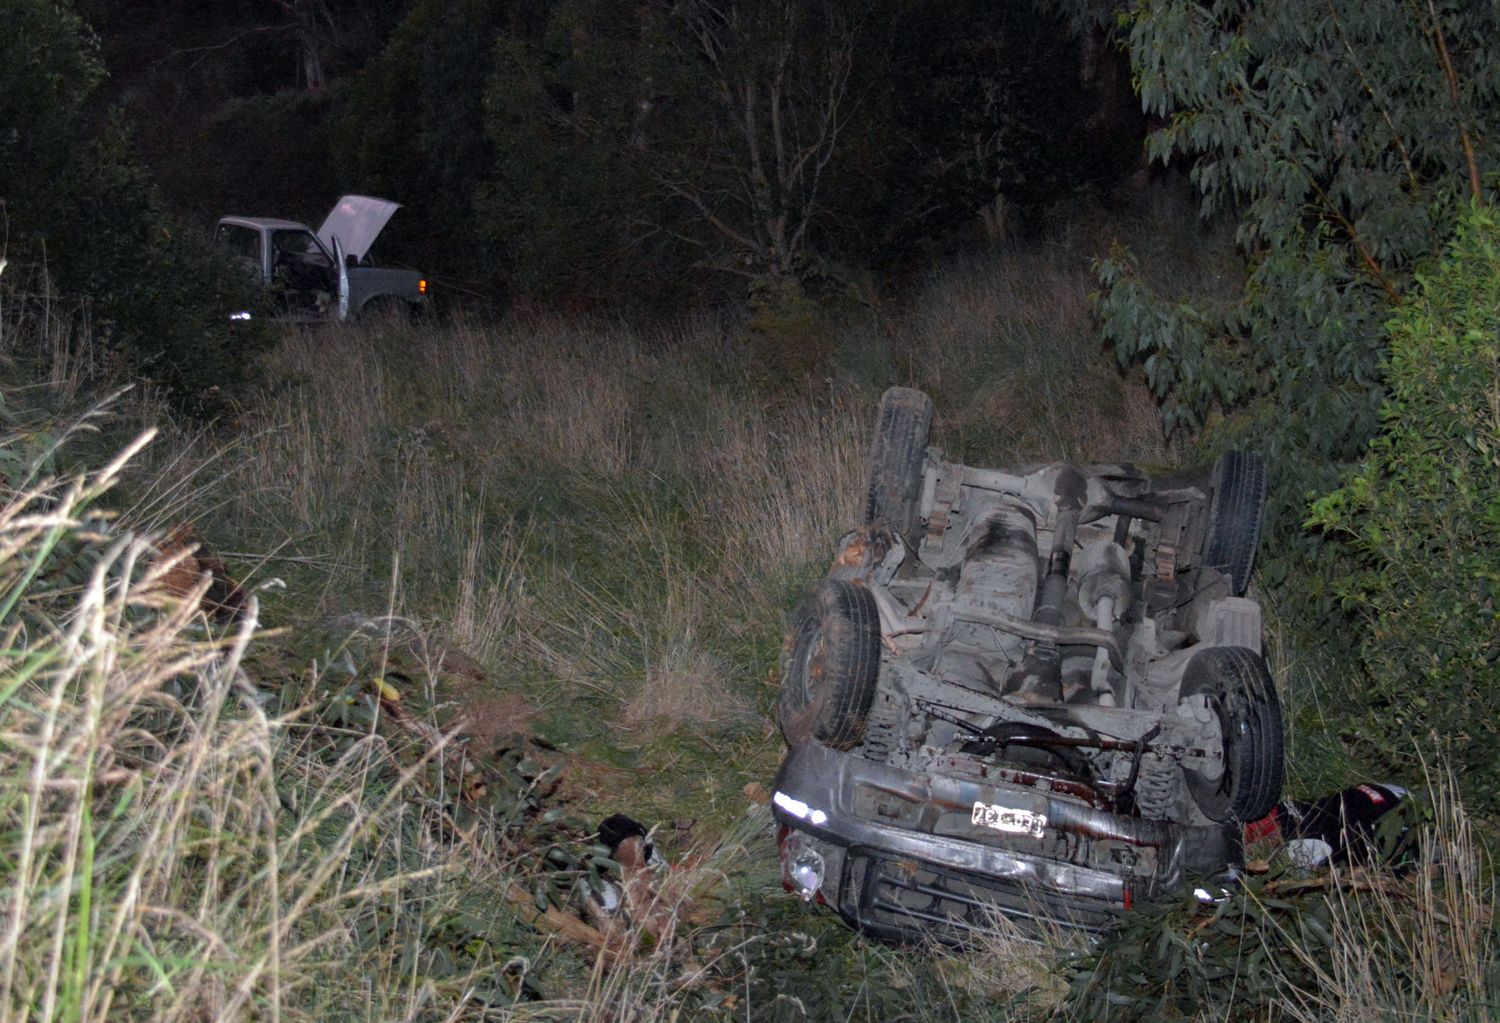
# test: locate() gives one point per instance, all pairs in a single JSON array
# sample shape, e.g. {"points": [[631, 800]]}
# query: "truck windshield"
{"points": [[299, 246]]}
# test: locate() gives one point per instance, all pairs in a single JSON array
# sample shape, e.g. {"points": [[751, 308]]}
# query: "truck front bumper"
{"points": [[902, 854]]}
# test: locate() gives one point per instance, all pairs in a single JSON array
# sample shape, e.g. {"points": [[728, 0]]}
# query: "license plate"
{"points": [[1011, 821]]}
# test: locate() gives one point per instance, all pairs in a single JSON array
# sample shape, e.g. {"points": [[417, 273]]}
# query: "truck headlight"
{"points": [[806, 873]]}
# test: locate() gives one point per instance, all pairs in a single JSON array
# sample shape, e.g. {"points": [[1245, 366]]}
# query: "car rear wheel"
{"points": [[830, 664], [1237, 501], [1240, 694], [901, 430], [386, 308]]}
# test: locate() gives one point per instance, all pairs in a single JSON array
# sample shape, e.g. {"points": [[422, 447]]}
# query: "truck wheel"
{"points": [[830, 663], [1236, 503], [386, 309], [1242, 696], [896, 456]]}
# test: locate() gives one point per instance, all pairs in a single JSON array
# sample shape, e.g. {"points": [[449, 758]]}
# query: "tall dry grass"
{"points": [[1417, 946], [1008, 347], [580, 505], [1006, 342], [57, 332], [169, 850]]}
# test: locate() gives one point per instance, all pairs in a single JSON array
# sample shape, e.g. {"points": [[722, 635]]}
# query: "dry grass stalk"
{"points": [[153, 868], [1421, 946]]}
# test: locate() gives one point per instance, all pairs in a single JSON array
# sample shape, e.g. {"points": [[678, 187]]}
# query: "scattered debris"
{"points": [[1352, 827], [184, 561]]}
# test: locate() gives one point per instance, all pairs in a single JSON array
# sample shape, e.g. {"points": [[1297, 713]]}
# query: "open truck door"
{"points": [[343, 271]]}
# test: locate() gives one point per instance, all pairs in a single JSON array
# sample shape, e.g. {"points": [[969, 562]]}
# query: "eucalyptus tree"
{"points": [[1343, 137], [1346, 139]]}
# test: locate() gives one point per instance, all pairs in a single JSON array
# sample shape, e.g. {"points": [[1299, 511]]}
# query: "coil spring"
{"points": [[1156, 787], [883, 728]]}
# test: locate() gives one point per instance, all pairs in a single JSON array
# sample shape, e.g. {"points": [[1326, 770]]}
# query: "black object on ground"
{"points": [[1343, 828]]}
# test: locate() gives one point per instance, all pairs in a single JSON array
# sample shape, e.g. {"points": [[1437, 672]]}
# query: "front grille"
{"points": [[901, 899]]}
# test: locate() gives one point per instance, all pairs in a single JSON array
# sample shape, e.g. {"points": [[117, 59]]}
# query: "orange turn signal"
{"points": [[422, 287]]}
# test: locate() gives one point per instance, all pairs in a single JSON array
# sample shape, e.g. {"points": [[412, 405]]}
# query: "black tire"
{"points": [[901, 430], [1237, 500], [1240, 692], [386, 308], [830, 664]]}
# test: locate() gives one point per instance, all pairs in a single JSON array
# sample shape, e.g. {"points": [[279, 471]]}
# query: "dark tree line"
{"points": [[554, 151], [572, 149], [90, 251]]}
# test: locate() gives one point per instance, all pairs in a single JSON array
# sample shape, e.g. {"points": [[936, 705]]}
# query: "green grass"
{"points": [[530, 575]]}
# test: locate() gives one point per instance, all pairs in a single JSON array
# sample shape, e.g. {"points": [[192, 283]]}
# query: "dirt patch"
{"points": [[685, 686], [489, 717]]}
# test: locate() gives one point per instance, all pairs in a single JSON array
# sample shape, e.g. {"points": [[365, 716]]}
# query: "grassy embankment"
{"points": [[534, 574]]}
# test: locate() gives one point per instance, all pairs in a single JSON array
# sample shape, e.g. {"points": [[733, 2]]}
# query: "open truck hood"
{"points": [[356, 221]]}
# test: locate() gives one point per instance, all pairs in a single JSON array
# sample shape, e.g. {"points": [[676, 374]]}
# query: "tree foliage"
{"points": [[998, 99], [770, 139], [670, 136], [1343, 137], [1422, 516], [564, 198], [225, 101], [412, 128], [48, 66], [83, 214]]}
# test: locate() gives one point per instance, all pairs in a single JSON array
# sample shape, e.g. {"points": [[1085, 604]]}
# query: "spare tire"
{"points": [[1241, 694], [896, 456], [830, 664], [1237, 500]]}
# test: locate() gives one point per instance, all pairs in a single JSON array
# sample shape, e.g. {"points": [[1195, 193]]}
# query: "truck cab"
{"points": [[324, 274]]}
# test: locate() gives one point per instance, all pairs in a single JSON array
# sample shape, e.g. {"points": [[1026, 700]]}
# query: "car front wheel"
{"points": [[1238, 691], [830, 664], [1238, 501]]}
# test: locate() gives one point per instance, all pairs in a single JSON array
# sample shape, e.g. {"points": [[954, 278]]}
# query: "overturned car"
{"points": [[1036, 693]]}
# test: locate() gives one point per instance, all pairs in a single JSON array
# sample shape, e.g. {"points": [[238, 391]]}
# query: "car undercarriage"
{"points": [[1035, 693]]}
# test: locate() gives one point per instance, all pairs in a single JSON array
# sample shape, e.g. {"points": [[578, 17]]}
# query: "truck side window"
{"points": [[242, 242]]}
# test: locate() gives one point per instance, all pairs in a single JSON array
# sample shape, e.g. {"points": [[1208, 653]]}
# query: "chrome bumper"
{"points": [[816, 794]]}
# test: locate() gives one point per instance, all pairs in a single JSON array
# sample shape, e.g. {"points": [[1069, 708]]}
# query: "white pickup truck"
{"points": [[324, 275]]}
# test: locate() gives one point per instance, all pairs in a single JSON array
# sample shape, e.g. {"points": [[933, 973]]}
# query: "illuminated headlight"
{"points": [[797, 808], [242, 315], [806, 873]]}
